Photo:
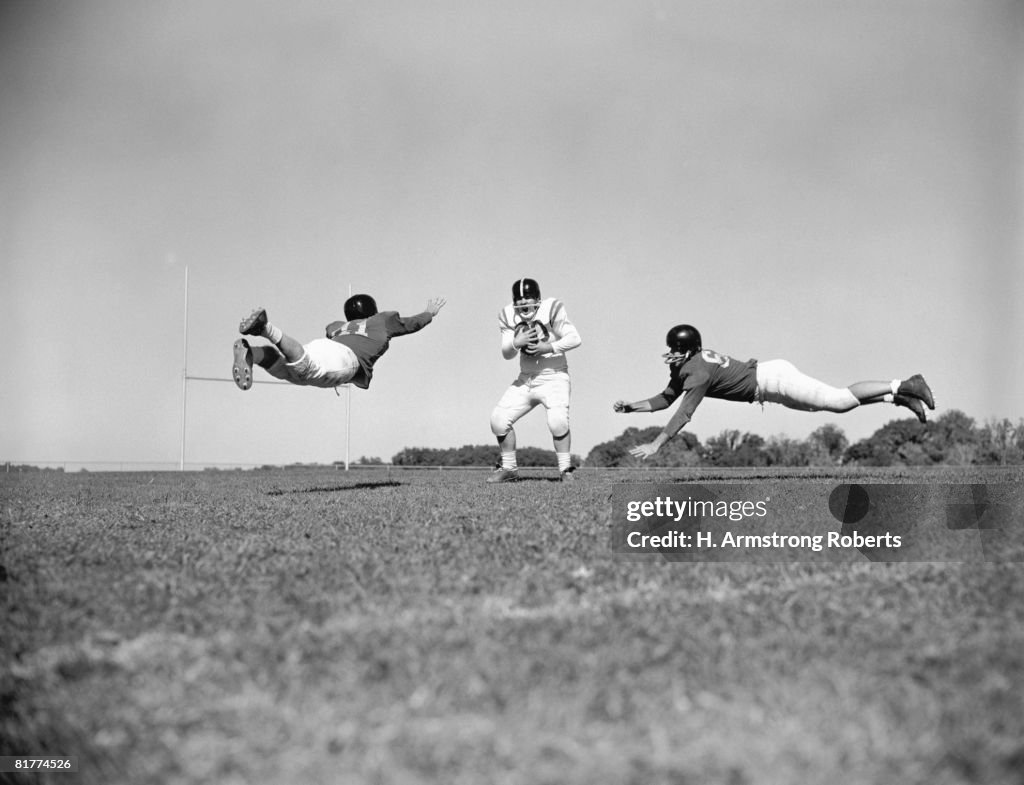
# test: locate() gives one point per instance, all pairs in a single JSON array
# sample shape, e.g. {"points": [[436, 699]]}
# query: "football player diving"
{"points": [[346, 355], [697, 373], [539, 331]]}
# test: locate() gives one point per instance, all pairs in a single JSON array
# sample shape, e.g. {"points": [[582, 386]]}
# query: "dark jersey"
{"points": [[369, 338], [709, 374]]}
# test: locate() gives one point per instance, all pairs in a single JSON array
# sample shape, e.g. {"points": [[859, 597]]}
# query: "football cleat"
{"points": [[504, 475], [242, 369], [567, 476], [254, 323], [911, 403], [917, 387]]}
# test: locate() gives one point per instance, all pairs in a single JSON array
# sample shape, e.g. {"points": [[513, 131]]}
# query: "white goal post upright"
{"points": [[348, 413], [185, 379]]}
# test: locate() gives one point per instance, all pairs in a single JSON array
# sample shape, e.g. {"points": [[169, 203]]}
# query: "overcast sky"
{"points": [[835, 183]]}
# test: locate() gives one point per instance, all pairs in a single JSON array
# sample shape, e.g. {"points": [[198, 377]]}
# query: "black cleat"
{"points": [[913, 404], [242, 369], [917, 387], [254, 323]]}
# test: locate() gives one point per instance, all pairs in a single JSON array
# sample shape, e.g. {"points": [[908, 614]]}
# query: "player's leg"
{"points": [[563, 451], [554, 392], [269, 358], [913, 393], [266, 357], [514, 403], [257, 323], [780, 381], [507, 445]]}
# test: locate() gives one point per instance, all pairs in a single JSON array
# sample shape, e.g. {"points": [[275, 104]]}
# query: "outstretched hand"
{"points": [[643, 451], [622, 407], [435, 304]]}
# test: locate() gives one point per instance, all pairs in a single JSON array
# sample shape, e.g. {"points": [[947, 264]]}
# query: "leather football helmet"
{"points": [[683, 342], [360, 306]]}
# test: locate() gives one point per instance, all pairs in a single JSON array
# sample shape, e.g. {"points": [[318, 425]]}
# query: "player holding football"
{"points": [[698, 373], [347, 354], [540, 332]]}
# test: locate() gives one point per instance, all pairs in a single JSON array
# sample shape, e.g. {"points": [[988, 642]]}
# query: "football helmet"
{"points": [[525, 299], [525, 289], [360, 306], [683, 342]]}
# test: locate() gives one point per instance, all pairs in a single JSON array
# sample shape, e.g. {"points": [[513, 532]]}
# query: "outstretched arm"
{"points": [[674, 426], [657, 403], [691, 399]]}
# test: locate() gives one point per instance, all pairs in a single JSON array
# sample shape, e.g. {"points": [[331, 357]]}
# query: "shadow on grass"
{"points": [[336, 488], [524, 480]]}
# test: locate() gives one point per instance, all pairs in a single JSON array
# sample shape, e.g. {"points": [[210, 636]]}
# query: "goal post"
{"points": [[186, 378]]}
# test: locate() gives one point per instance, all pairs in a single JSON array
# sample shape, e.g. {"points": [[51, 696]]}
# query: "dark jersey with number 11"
{"points": [[708, 374], [369, 338]]}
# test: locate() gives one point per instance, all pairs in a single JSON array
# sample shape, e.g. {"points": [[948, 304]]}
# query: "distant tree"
{"points": [[613, 453], [364, 461], [411, 456], [731, 448], [473, 455], [1000, 443], [684, 450], [826, 445], [783, 451], [536, 456], [952, 439], [898, 442]]}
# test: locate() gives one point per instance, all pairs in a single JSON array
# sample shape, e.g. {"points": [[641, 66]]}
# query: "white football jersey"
{"points": [[555, 326]]}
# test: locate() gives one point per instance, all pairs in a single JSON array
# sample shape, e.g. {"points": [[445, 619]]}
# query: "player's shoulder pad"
{"points": [[335, 327], [550, 309], [696, 374], [506, 318]]}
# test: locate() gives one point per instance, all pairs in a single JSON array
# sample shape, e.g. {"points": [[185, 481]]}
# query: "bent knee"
{"points": [[558, 422], [842, 401], [501, 421]]}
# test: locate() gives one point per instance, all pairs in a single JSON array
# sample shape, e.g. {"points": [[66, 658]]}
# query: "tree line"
{"points": [[951, 439], [468, 455]]}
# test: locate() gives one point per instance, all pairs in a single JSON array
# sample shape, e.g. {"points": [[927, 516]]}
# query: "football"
{"points": [[523, 327]]}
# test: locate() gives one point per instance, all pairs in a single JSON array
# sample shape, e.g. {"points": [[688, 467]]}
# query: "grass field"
{"points": [[409, 627]]}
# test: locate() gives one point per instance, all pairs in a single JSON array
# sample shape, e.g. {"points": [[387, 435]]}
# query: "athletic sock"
{"points": [[894, 386], [508, 461], [564, 461], [273, 334]]}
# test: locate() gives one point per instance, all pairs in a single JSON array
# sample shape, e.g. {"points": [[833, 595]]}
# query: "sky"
{"points": [[833, 183]]}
